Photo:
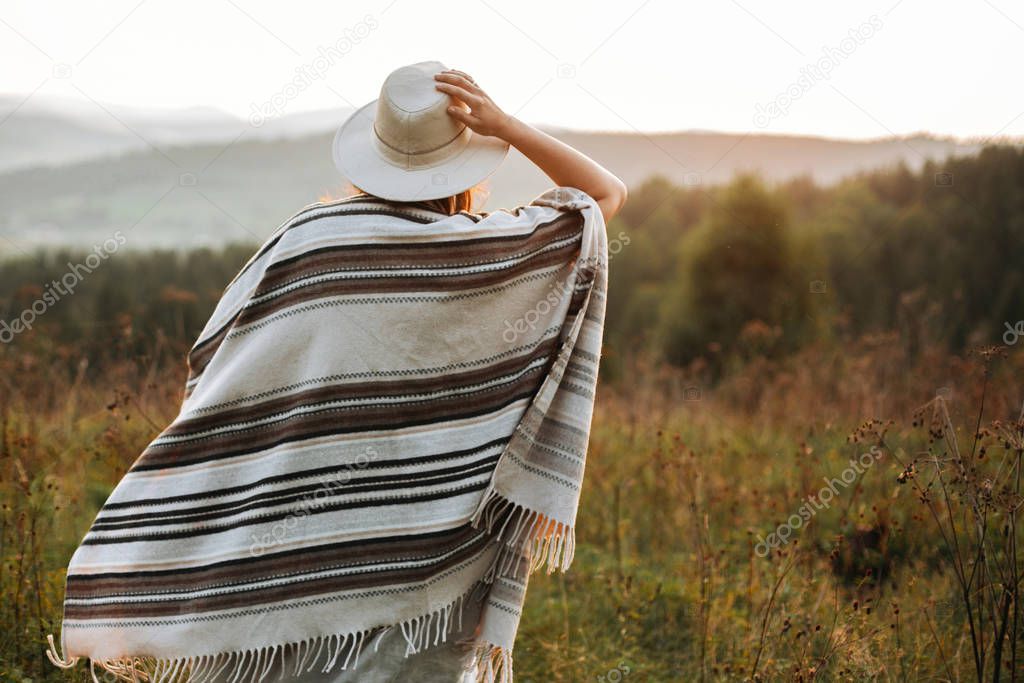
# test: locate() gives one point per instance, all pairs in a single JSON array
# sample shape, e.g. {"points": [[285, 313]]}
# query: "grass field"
{"points": [[908, 569]]}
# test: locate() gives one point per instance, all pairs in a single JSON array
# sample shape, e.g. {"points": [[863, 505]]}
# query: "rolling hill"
{"points": [[73, 173]]}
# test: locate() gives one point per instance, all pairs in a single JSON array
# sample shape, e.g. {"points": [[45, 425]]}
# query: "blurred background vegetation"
{"points": [[713, 274]]}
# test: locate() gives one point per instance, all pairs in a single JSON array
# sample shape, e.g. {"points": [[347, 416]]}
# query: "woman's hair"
{"points": [[463, 201]]}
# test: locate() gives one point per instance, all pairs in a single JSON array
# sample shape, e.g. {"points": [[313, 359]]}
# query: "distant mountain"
{"points": [[72, 173], [716, 157], [53, 130]]}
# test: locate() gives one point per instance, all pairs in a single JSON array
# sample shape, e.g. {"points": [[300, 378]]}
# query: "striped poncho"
{"points": [[386, 414]]}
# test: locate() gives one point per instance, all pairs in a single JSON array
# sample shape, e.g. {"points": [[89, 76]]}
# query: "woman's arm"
{"points": [[563, 164]]}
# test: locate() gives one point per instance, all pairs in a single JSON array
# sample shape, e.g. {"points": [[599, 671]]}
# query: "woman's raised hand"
{"points": [[482, 115], [563, 164]]}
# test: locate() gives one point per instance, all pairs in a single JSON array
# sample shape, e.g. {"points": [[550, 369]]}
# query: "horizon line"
{"points": [[973, 139]]}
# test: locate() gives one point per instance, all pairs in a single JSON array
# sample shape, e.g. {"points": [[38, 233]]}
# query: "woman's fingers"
{"points": [[484, 116], [461, 81], [464, 75], [463, 116], [462, 78], [460, 93]]}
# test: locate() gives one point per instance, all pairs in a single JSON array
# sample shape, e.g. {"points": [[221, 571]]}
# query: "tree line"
{"points": [[716, 274]]}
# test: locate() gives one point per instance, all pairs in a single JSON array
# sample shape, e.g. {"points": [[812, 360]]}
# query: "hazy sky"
{"points": [[840, 69]]}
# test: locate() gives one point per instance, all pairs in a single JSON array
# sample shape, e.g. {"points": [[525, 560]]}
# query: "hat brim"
{"points": [[358, 160]]}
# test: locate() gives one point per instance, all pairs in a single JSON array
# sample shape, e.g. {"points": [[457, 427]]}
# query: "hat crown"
{"points": [[405, 146], [412, 117]]}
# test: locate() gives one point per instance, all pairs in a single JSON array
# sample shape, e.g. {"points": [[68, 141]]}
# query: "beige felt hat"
{"points": [[404, 146]]}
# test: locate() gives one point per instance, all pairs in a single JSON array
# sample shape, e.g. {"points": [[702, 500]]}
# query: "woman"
{"points": [[384, 425]]}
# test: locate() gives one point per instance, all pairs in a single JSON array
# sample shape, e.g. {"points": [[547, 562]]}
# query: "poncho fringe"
{"points": [[252, 666], [522, 531]]}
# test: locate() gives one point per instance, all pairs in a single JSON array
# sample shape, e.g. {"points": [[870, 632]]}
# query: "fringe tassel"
{"points": [[492, 664], [524, 533], [253, 666], [56, 657]]}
